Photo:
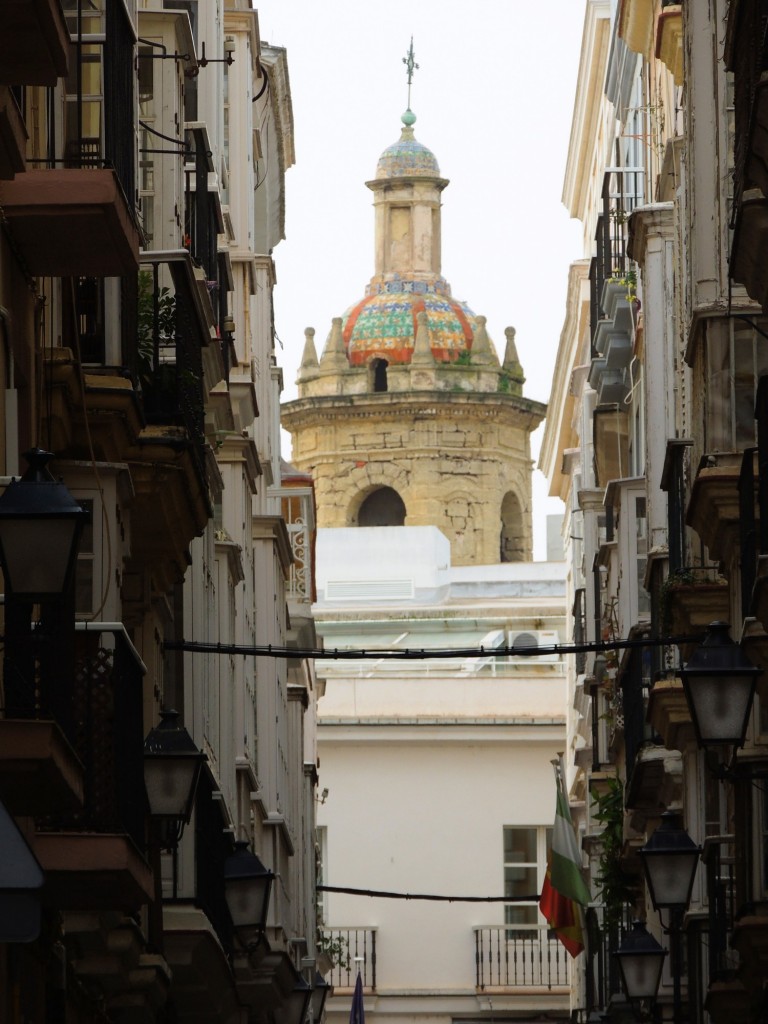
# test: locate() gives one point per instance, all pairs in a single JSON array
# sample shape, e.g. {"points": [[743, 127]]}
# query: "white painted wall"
{"points": [[426, 761]]}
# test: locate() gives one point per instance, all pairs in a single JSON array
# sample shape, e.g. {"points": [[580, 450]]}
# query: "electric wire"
{"points": [[383, 894], [421, 654]]}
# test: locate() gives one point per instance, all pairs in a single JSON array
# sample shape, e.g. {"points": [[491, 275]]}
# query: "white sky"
{"points": [[493, 97]]}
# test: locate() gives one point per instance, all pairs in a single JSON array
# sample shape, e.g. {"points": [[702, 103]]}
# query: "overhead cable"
{"points": [[422, 653], [382, 894]]}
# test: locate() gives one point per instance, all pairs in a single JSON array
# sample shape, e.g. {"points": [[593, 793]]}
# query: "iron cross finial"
{"points": [[410, 62]]}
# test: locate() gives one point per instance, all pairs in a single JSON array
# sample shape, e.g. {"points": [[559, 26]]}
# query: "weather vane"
{"points": [[412, 66]]}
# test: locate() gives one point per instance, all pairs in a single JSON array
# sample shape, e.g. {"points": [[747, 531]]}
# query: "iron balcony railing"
{"points": [[353, 951], [747, 529], [297, 507], [603, 938], [749, 61], [761, 415], [106, 730], [719, 862], [515, 957], [623, 190]]}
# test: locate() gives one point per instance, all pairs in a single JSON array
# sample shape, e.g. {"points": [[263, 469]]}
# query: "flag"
{"points": [[564, 892], [357, 1012]]}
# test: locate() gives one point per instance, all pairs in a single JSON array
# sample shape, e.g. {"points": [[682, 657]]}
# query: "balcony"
{"points": [[34, 42], [71, 222], [750, 238], [611, 386], [656, 783], [99, 407], [39, 771], [726, 999], [750, 940], [669, 39], [713, 509], [264, 980], [203, 981], [108, 954], [757, 148], [92, 855], [13, 135], [669, 715], [610, 440], [514, 958], [351, 950], [691, 599], [170, 461], [636, 24]]}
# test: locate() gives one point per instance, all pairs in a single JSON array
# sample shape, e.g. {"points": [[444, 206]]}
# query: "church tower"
{"points": [[408, 418]]}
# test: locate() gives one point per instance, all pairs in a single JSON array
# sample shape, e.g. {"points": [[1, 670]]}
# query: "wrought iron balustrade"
{"points": [[107, 734], [172, 331], [514, 957], [353, 950], [719, 860], [296, 504]]}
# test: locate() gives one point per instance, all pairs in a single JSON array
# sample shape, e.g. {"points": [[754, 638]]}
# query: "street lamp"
{"points": [[320, 991], [247, 887], [298, 1002], [669, 859], [40, 527], [719, 684], [172, 766], [640, 958]]}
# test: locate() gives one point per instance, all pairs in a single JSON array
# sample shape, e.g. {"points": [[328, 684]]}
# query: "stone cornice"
{"points": [[558, 431], [587, 106], [653, 221], [273, 528], [240, 448], [423, 404]]}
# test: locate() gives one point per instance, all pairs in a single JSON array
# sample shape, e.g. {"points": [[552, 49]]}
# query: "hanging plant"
{"points": [[616, 886]]}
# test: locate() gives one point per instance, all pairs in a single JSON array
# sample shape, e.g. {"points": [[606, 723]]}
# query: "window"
{"points": [[525, 865], [85, 569], [321, 855], [85, 85], [383, 507], [735, 358], [146, 156], [511, 541], [378, 375]]}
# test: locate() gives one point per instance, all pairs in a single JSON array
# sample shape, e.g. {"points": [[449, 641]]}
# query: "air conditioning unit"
{"points": [[489, 643], [528, 638]]}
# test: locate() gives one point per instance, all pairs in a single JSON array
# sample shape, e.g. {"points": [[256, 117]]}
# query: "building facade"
{"points": [[409, 418], [435, 773], [654, 441], [138, 347]]}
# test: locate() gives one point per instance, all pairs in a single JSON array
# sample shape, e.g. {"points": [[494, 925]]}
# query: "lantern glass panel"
{"points": [[37, 554], [169, 781], [721, 706], [641, 973]]}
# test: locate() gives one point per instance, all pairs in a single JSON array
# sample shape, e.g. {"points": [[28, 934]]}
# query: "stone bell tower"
{"points": [[408, 417]]}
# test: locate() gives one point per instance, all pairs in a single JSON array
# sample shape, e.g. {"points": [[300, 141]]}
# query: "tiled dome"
{"points": [[407, 158], [384, 322]]}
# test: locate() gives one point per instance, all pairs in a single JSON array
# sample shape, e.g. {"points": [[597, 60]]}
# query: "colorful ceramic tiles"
{"points": [[385, 324], [407, 158]]}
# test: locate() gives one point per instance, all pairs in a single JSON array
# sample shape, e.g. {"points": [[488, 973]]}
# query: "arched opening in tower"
{"points": [[511, 539], [383, 507], [378, 372]]}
